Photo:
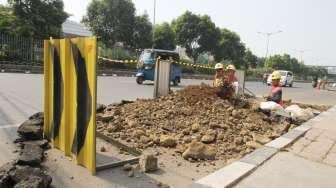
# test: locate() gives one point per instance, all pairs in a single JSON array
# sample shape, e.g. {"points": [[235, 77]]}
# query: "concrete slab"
{"points": [[303, 128], [280, 142], [293, 134], [227, 175], [301, 173], [259, 156]]}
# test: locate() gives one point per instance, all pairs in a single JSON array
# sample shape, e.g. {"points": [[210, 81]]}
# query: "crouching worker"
{"points": [[274, 98], [219, 75], [224, 88], [231, 78]]}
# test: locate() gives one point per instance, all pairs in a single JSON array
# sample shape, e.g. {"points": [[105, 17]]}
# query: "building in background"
{"points": [[74, 29]]}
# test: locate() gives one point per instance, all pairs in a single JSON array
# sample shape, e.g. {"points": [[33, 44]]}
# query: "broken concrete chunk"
{"points": [[38, 115], [31, 129], [148, 163], [100, 108], [24, 173], [31, 155], [31, 182]]}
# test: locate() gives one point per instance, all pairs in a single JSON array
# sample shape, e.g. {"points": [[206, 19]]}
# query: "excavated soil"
{"points": [[218, 129]]}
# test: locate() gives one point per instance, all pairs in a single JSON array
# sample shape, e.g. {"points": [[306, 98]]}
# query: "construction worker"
{"points": [[219, 75], [230, 76], [275, 94], [274, 98], [222, 82]]}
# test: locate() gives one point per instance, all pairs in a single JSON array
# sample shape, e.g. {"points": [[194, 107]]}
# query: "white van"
{"points": [[287, 78]]}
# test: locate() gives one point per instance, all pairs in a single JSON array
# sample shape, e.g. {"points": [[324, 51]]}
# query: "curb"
{"points": [[234, 172]]}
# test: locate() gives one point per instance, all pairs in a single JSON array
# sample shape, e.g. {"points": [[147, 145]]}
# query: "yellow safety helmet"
{"points": [[231, 67], [219, 66], [276, 75]]}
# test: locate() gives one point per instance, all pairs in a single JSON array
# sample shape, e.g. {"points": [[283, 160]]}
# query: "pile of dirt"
{"points": [[194, 122]]}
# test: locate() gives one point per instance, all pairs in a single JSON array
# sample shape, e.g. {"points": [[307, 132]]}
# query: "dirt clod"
{"points": [[198, 150], [102, 149]]}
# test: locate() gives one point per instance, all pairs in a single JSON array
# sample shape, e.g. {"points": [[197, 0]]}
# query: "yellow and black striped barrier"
{"points": [[204, 66], [70, 97]]}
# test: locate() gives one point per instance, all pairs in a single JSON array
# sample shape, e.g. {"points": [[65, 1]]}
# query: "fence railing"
{"points": [[21, 51]]}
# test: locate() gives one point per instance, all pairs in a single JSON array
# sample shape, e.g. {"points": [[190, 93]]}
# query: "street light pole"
{"points": [[268, 35], [153, 27]]}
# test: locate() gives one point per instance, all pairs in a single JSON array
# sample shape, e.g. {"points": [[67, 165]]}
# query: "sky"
{"points": [[308, 26]]}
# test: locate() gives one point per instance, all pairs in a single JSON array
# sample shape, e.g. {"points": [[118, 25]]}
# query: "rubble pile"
{"points": [[194, 122], [26, 170]]}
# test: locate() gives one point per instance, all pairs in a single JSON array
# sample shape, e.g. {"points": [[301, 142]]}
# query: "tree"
{"points": [[230, 48], [7, 20], [112, 20], [164, 37], [196, 33], [250, 59], [39, 18], [142, 36]]}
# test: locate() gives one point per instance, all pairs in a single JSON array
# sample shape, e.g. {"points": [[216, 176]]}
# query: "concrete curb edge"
{"points": [[234, 172]]}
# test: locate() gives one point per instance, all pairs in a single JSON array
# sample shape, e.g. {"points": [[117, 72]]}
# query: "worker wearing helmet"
{"points": [[219, 75], [230, 76], [275, 94]]}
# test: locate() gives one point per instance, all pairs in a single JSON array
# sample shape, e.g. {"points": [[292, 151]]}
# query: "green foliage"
{"points": [[7, 20], [115, 21], [142, 34], [250, 59], [230, 48], [38, 18], [112, 20], [115, 53], [196, 33], [286, 62], [164, 37]]}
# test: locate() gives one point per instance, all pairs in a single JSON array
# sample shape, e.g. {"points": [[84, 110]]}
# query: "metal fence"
{"points": [[21, 51]]}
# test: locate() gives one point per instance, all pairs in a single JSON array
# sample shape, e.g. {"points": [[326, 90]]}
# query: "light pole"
{"points": [[153, 27], [268, 35]]}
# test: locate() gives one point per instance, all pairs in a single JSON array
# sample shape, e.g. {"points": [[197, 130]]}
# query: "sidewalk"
{"points": [[309, 162]]}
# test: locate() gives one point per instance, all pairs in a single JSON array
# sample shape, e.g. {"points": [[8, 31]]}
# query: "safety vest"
{"points": [[274, 90]]}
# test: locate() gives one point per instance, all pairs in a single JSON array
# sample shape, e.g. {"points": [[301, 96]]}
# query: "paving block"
{"points": [[318, 149], [330, 159], [328, 135], [303, 128], [259, 156], [280, 142], [293, 134], [227, 176], [313, 133], [299, 145]]}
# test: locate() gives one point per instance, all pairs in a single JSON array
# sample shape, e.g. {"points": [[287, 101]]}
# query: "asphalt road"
{"points": [[22, 94]]}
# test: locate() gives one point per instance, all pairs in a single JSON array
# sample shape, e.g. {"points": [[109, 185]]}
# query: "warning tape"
{"points": [[206, 66]]}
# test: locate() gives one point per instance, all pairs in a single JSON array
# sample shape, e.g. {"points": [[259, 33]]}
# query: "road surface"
{"points": [[22, 94]]}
